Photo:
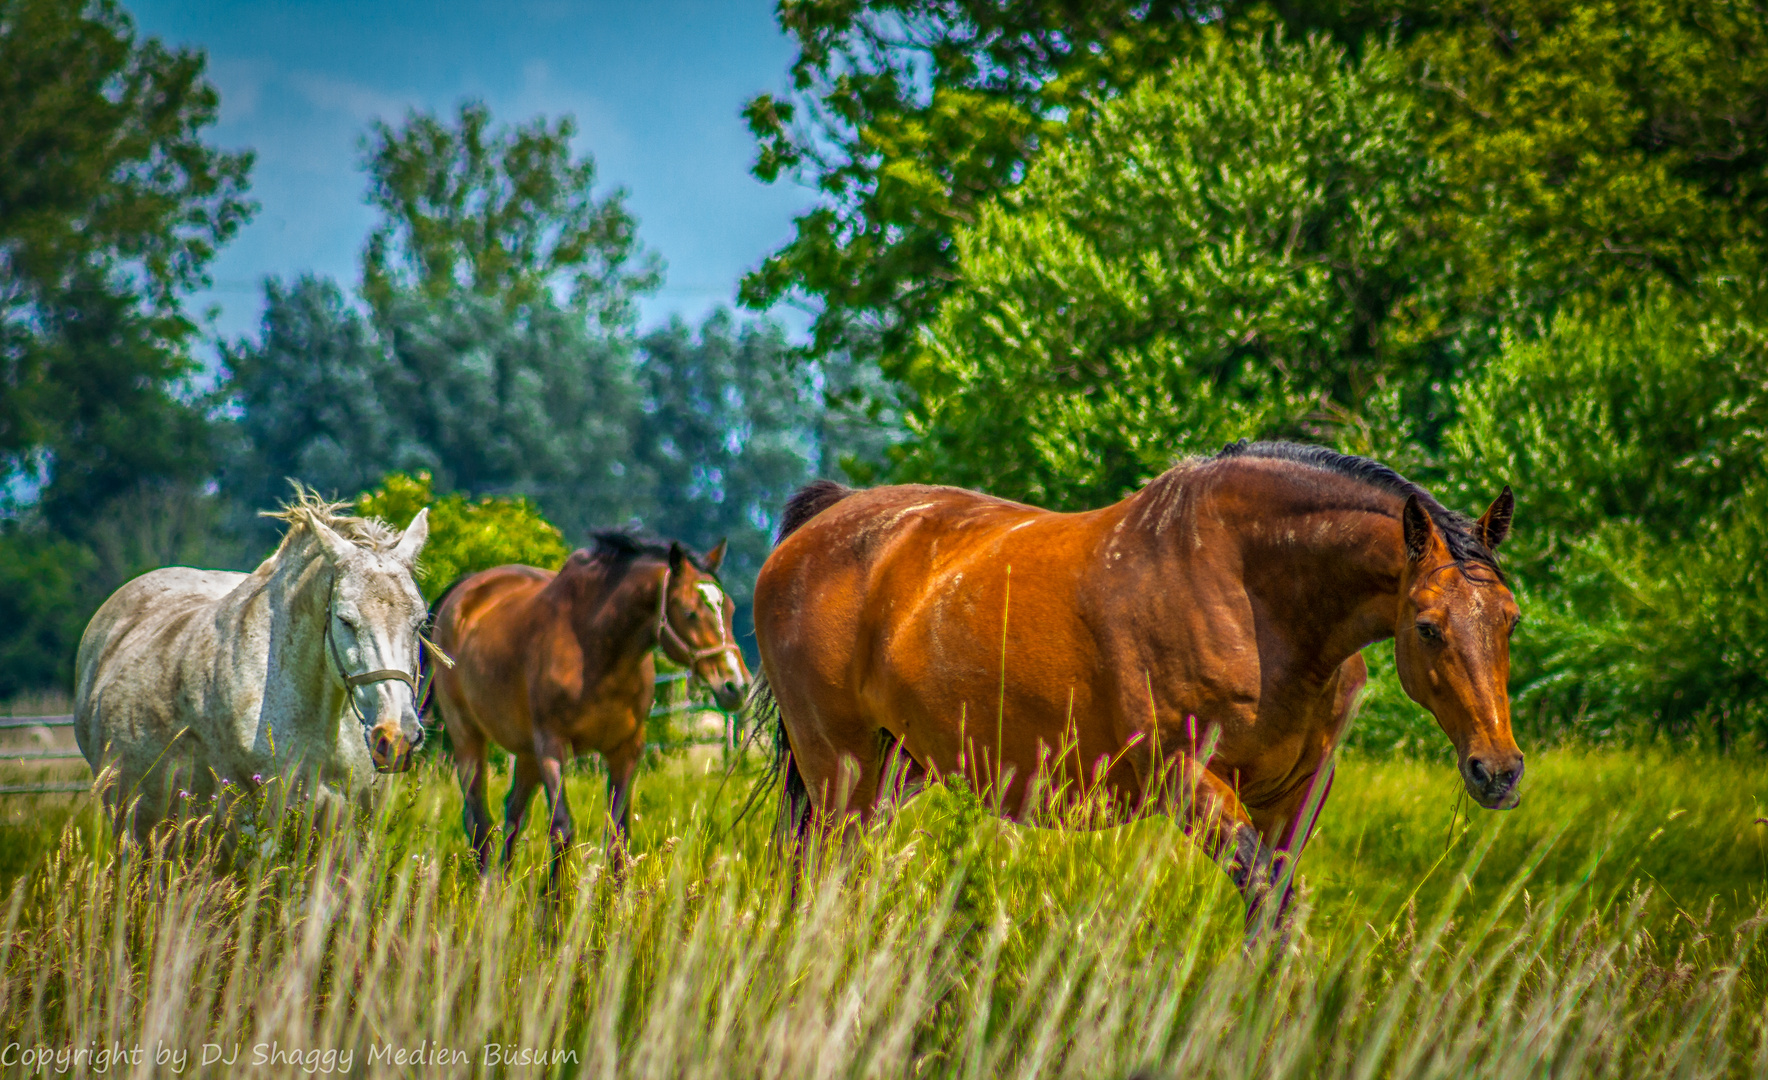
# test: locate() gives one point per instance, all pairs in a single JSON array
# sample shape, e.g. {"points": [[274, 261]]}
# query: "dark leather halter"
{"points": [[351, 682], [669, 638]]}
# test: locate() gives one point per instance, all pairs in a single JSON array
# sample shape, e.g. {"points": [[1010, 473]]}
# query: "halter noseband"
{"points": [[667, 635], [351, 682]]}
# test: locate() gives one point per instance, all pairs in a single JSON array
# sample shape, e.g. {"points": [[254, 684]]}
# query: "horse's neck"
{"points": [[614, 619], [1325, 564], [297, 604], [1328, 554]]}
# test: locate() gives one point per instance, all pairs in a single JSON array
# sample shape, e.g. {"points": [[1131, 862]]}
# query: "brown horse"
{"points": [[1222, 605], [553, 665]]}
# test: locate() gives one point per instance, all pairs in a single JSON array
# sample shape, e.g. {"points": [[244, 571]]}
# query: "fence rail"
{"points": [[64, 720], [16, 723], [42, 789]]}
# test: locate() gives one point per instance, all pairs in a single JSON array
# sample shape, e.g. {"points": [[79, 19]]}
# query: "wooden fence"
{"points": [[14, 723]]}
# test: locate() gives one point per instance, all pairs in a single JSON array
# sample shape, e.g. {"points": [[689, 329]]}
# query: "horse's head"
{"points": [[1452, 644], [697, 613], [374, 618]]}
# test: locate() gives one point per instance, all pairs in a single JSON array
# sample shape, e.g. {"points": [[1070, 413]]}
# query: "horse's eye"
{"points": [[1430, 632]]}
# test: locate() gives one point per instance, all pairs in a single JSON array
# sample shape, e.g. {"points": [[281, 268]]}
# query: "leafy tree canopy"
{"points": [[728, 429], [486, 401], [1586, 145], [466, 535], [1635, 437], [1219, 252], [908, 115], [1592, 149], [111, 207], [102, 163], [507, 214]]}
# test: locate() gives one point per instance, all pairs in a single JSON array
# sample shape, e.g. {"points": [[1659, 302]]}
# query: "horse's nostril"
{"points": [[1477, 769]]}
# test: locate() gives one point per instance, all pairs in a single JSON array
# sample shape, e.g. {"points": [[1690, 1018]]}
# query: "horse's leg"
{"points": [[622, 769], [524, 777], [470, 768], [1213, 815], [1291, 820], [560, 829], [841, 786]]}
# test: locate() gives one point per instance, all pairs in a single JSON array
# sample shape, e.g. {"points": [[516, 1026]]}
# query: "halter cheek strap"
{"points": [[670, 639], [351, 682]]}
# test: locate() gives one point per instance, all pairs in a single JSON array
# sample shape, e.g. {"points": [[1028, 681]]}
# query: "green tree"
{"points": [[506, 214], [728, 429], [1593, 149], [111, 207], [908, 116], [488, 401], [1635, 438], [466, 535], [1219, 252]]}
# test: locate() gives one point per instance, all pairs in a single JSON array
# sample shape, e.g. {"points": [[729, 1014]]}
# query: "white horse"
{"points": [[198, 684]]}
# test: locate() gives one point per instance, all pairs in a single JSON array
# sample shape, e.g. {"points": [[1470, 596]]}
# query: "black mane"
{"points": [[619, 545], [1458, 530]]}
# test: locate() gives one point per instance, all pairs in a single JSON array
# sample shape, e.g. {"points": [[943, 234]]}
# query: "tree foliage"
{"points": [[507, 214], [908, 116], [102, 162], [731, 423], [1636, 435], [487, 401], [1594, 149], [111, 206], [466, 535], [1225, 250]]}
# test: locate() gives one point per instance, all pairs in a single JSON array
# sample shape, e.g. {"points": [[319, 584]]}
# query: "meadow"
{"points": [[1610, 926]]}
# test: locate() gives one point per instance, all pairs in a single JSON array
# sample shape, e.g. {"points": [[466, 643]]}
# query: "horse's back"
{"points": [[137, 654], [487, 622], [491, 604], [842, 597]]}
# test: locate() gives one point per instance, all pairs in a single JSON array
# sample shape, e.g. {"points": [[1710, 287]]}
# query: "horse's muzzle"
{"points": [[1494, 780], [391, 748]]}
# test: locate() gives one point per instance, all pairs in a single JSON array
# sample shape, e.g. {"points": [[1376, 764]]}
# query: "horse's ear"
{"points": [[413, 539], [1419, 529], [676, 556], [1494, 524], [714, 558], [338, 549]]}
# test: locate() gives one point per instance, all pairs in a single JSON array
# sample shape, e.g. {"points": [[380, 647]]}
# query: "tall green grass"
{"points": [[1607, 928]]}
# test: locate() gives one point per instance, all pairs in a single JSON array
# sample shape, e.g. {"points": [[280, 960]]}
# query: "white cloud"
{"points": [[359, 101], [241, 83]]}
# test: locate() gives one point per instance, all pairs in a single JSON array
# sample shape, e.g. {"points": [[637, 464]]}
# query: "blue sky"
{"points": [[656, 88]]}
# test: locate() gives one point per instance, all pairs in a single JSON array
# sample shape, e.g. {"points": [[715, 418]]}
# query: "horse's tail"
{"points": [[765, 721], [762, 708], [807, 502]]}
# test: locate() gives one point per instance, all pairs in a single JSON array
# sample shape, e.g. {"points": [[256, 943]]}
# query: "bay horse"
{"points": [[553, 665], [211, 682], [1223, 606]]}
